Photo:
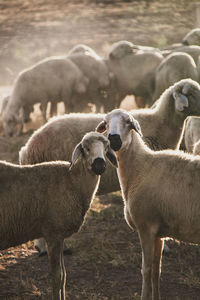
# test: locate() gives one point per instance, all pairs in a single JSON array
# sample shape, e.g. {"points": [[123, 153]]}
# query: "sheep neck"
{"points": [[131, 160], [81, 174], [169, 123]]}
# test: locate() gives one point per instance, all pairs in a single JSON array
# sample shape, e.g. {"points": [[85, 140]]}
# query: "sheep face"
{"points": [[118, 124], [94, 147], [9, 124], [121, 49], [186, 95]]}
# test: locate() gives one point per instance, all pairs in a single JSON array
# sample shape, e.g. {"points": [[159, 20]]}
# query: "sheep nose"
{"points": [[98, 166], [115, 141]]}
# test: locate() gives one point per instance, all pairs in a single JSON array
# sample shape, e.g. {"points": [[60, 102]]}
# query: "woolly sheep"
{"points": [[51, 199], [98, 73], [173, 68], [190, 134], [133, 71], [53, 79], [161, 128], [160, 191]]}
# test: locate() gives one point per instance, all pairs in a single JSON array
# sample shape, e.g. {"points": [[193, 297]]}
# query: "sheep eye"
{"points": [[87, 149]]}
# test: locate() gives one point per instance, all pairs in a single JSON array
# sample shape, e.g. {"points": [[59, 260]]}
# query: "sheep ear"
{"points": [[110, 154], [181, 101], [76, 154], [136, 126], [101, 127]]}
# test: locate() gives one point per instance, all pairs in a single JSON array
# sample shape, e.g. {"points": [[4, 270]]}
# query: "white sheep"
{"points": [[190, 134], [50, 200], [161, 127], [53, 79], [160, 191]]}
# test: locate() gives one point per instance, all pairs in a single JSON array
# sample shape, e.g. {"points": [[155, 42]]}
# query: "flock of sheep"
{"points": [[47, 196]]}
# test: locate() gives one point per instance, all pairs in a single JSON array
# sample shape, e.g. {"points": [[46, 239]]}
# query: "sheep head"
{"points": [[118, 123], [93, 148], [186, 96]]}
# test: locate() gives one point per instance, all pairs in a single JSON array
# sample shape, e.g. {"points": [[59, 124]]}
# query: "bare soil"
{"points": [[106, 256]]}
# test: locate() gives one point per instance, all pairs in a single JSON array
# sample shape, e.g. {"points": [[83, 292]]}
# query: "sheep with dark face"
{"points": [[161, 128], [160, 191], [51, 199]]}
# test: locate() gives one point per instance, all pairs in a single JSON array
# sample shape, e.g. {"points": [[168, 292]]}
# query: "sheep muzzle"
{"points": [[98, 166], [115, 141]]}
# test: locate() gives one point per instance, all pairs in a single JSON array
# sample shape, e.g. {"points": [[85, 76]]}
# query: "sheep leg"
{"points": [[156, 269], [53, 110], [55, 250], [43, 108], [147, 241], [64, 276]]}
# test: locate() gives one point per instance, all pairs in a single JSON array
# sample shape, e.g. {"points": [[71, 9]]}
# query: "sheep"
{"points": [[51, 199], [190, 134], [160, 191], [173, 68], [161, 128], [99, 75], [56, 139], [133, 70], [53, 79]]}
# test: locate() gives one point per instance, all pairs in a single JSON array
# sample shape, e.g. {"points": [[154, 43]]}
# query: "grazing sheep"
{"points": [[190, 134], [53, 79], [26, 109], [133, 71], [173, 68], [50, 200], [160, 191], [98, 73], [161, 128]]}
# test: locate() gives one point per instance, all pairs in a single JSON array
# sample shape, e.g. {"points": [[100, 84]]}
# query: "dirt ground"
{"points": [[106, 256]]}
